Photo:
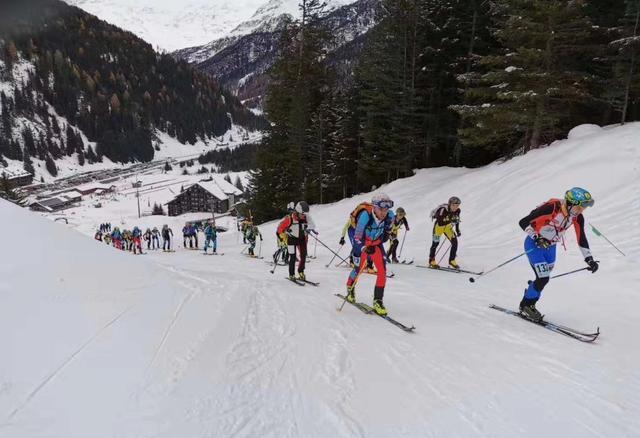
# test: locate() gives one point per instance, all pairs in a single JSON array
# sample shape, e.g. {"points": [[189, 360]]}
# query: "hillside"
{"points": [[75, 86], [102, 343]]}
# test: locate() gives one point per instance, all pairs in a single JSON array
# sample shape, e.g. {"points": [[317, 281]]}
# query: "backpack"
{"points": [[432, 215], [368, 206]]}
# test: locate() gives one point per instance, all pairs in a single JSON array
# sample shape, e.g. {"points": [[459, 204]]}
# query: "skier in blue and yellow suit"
{"points": [[373, 225]]}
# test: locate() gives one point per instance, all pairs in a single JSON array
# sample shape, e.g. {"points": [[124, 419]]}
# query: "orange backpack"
{"points": [[368, 206]]}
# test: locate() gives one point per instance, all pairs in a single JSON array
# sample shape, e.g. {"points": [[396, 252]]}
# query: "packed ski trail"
{"points": [[185, 345]]}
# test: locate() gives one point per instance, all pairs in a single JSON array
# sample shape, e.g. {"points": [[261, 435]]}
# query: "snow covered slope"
{"points": [[173, 25], [101, 343]]}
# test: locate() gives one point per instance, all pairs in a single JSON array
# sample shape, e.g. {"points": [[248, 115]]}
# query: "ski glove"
{"points": [[541, 242], [342, 241], [593, 265], [356, 261]]}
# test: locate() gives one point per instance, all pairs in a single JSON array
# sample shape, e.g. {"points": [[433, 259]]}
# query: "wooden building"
{"points": [[215, 195]]}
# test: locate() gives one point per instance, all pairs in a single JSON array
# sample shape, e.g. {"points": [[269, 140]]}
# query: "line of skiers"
{"points": [[370, 225], [105, 227], [131, 240]]}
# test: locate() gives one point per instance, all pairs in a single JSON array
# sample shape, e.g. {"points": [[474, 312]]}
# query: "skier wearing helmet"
{"points": [[446, 217], [293, 229], [399, 220], [373, 224], [545, 227]]}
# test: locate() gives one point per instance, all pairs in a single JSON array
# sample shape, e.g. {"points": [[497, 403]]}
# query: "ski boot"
{"points": [[293, 278], [351, 294], [379, 308], [301, 276], [433, 264], [528, 309], [453, 264], [394, 260]]}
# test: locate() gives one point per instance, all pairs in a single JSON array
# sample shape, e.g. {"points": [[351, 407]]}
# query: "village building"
{"points": [[215, 196]]}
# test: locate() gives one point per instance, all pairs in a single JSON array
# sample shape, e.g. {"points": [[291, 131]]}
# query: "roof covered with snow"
{"points": [[14, 172], [220, 188]]}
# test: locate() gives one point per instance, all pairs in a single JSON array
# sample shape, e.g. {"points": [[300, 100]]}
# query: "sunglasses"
{"points": [[383, 204], [586, 203]]}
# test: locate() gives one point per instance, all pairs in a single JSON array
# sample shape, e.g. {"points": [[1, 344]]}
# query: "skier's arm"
{"points": [[527, 221], [358, 237], [405, 222], [284, 225], [581, 236], [311, 225]]}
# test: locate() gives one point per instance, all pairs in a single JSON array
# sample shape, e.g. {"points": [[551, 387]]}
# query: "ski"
{"points": [[254, 256], [405, 262], [360, 306], [313, 283], [557, 328], [446, 269], [369, 310], [213, 253], [299, 283]]}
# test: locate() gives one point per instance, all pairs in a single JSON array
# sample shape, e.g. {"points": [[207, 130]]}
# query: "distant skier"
{"points": [[252, 233], [211, 237], [155, 238], [136, 237], [294, 228], [167, 234], [147, 238], [373, 227], [185, 235], [116, 238], [399, 220], [545, 227], [446, 217], [193, 235], [98, 235]]}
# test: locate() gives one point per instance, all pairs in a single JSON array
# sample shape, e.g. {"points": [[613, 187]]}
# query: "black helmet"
{"points": [[400, 211], [302, 207], [454, 200]]}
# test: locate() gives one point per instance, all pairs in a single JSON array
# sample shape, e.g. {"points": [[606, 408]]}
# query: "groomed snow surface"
{"points": [[101, 343]]}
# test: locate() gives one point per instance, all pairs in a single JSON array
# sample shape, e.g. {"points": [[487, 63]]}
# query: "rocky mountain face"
{"points": [[240, 62]]}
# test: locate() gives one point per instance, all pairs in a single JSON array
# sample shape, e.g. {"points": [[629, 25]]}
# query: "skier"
{"points": [[281, 241], [136, 236], [545, 227], [167, 234], [155, 238], [185, 235], [193, 234], [294, 228], [116, 238], [399, 220], [446, 216], [98, 235], [211, 237], [373, 227], [246, 223], [147, 238], [252, 233]]}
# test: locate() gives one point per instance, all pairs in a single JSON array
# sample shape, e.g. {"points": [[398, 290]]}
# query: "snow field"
{"points": [[102, 343]]}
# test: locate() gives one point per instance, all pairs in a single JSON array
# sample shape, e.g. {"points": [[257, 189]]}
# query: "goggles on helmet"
{"points": [[384, 203]]}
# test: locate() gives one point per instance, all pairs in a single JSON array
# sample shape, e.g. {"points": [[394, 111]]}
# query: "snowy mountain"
{"points": [[239, 61], [172, 25], [181, 344]]}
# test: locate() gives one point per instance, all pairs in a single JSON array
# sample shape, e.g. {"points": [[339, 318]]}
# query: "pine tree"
{"points": [[535, 89], [238, 183]]}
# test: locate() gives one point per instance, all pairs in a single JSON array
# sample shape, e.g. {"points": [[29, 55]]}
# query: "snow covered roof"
{"points": [[14, 172], [220, 188], [71, 194]]}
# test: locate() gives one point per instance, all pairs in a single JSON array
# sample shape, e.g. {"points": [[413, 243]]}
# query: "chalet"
{"points": [[16, 176], [215, 195], [97, 188], [58, 202]]}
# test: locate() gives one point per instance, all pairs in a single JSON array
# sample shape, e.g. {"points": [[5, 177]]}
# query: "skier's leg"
{"points": [[292, 256]]}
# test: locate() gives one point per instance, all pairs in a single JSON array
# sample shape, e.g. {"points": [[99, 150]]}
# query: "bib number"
{"points": [[542, 269]]}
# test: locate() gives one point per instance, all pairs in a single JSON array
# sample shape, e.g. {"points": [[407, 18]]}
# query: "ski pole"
{"points": [[332, 251], [599, 234], [335, 254], [402, 244], [443, 254], [315, 248], [275, 265], [260, 248], [587, 268], [472, 280]]}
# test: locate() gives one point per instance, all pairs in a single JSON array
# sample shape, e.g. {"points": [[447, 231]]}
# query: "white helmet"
{"points": [[382, 200], [291, 206]]}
